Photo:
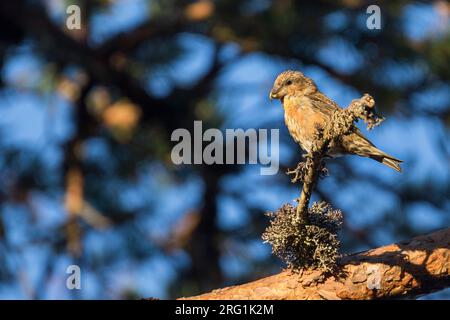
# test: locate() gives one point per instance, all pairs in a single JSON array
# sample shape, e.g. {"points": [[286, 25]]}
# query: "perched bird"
{"points": [[306, 110]]}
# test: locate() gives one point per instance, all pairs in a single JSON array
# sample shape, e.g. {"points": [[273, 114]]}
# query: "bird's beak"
{"points": [[272, 95]]}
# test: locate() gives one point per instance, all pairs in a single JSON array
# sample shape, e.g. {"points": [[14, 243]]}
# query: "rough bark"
{"points": [[406, 270]]}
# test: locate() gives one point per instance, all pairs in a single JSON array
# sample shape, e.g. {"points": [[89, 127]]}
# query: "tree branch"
{"points": [[406, 269]]}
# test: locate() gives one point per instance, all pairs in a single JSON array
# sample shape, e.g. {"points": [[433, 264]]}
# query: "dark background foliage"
{"points": [[86, 117]]}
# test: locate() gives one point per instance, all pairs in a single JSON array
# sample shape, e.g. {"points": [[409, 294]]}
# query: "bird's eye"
{"points": [[289, 82]]}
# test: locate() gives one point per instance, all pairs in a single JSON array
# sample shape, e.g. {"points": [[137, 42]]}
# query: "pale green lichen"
{"points": [[307, 245]]}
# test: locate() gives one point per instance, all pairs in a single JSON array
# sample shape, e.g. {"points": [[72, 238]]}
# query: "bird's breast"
{"points": [[302, 120]]}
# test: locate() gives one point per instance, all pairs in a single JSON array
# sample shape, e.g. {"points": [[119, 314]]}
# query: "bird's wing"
{"points": [[357, 143], [322, 103], [361, 137]]}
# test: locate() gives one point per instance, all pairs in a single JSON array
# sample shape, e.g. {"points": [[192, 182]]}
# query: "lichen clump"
{"points": [[310, 244]]}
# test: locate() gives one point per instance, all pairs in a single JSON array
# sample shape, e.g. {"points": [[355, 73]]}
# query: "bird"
{"points": [[307, 110]]}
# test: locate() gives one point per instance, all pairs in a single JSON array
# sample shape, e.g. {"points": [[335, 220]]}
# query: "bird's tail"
{"points": [[378, 155], [389, 161], [359, 145]]}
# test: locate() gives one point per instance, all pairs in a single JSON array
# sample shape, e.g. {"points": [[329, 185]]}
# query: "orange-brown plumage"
{"points": [[307, 110]]}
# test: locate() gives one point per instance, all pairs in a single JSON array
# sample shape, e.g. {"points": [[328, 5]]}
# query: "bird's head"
{"points": [[291, 83]]}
